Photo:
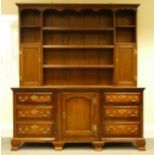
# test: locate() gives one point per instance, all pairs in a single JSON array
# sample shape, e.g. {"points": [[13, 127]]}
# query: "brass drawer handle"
{"points": [[34, 127], [23, 130], [45, 114], [45, 131], [34, 97], [111, 115], [34, 111], [21, 114], [123, 96], [22, 100], [110, 129], [133, 115], [122, 111]]}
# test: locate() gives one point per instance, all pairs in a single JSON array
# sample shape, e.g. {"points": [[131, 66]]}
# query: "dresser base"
{"points": [[98, 145]]}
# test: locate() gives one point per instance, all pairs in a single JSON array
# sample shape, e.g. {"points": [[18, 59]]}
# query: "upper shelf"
{"points": [[78, 46], [78, 29]]}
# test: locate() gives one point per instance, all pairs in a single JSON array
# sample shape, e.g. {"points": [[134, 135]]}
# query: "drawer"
{"points": [[34, 129], [121, 129], [122, 97], [112, 112], [34, 98], [34, 113]]}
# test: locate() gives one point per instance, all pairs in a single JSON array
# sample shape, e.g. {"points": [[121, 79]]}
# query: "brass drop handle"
{"points": [[110, 129], [133, 114], [111, 114], [45, 131], [63, 115], [23, 130], [22, 100], [34, 127], [22, 114], [44, 115]]}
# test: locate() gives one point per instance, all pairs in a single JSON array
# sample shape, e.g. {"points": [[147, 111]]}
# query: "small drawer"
{"points": [[121, 129], [34, 113], [112, 112], [34, 98], [122, 97], [34, 130]]}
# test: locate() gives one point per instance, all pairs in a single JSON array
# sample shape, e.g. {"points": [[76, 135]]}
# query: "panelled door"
{"points": [[79, 114], [30, 71], [126, 65]]}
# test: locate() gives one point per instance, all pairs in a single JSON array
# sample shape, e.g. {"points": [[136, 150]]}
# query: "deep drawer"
{"points": [[122, 97], [34, 129], [114, 129], [114, 112], [34, 113], [33, 98]]}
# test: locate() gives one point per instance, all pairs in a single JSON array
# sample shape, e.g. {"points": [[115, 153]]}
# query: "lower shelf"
{"points": [[78, 76]]}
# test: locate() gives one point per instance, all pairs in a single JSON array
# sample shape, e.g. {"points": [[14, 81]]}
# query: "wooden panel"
{"points": [[121, 129], [78, 114], [105, 18], [78, 76], [125, 17], [30, 17], [30, 65], [84, 18], [106, 77], [125, 35], [34, 130], [78, 38], [54, 56], [30, 35], [126, 65], [55, 18], [78, 56], [76, 19]]}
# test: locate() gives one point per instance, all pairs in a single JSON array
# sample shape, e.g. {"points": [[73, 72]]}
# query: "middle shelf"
{"points": [[78, 66]]}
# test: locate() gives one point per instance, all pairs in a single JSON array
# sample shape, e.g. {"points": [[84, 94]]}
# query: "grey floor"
{"points": [[72, 149]]}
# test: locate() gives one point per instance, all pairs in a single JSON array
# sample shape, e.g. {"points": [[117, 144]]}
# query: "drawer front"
{"points": [[34, 113], [121, 112], [122, 97], [34, 130], [36, 98], [121, 129]]}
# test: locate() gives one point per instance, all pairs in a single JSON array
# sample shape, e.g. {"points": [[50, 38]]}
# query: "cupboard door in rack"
{"points": [[79, 114], [30, 65], [126, 65]]}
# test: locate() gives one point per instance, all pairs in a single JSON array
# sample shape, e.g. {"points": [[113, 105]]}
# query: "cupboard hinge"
{"points": [[39, 60], [116, 60], [63, 115], [135, 52], [135, 78], [94, 127], [94, 101], [20, 78]]}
